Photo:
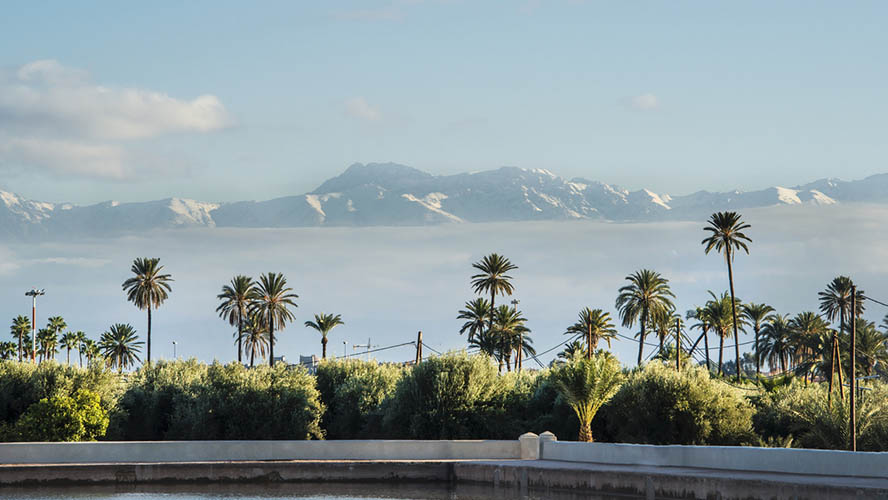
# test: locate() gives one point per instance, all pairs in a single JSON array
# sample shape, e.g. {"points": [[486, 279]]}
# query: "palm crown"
{"points": [[493, 278], [324, 323], [595, 325], [120, 345], [147, 289], [646, 295], [236, 298], [273, 301], [477, 315]]}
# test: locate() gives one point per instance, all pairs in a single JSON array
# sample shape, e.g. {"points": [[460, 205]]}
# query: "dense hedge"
{"points": [[450, 397]]}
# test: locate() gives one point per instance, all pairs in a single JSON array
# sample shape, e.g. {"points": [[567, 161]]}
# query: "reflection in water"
{"points": [[318, 491]]}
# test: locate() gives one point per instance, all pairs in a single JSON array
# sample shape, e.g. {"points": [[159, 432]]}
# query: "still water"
{"points": [[314, 491]]}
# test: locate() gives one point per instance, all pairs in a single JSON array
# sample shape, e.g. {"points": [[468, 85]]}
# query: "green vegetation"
{"points": [[586, 384]]}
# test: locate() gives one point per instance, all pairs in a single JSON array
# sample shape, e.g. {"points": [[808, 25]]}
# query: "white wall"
{"points": [[795, 461], [196, 451]]}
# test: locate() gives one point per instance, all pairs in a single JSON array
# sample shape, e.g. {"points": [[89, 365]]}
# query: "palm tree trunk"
{"points": [[149, 334], [68, 357], [758, 371], [661, 345], [832, 358], [270, 340], [324, 347], [733, 311], [706, 346], [585, 432], [641, 335], [589, 343], [252, 355], [240, 336], [80, 355], [721, 348], [841, 376], [20, 346]]}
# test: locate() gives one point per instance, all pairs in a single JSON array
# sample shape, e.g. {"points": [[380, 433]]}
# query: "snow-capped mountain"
{"points": [[395, 195]]}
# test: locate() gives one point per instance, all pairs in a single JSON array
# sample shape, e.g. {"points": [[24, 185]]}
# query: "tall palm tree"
{"points": [[477, 316], [586, 384], [120, 345], [836, 301], [21, 327], [727, 237], [91, 350], [147, 289], [492, 278], [757, 315], [47, 343], [776, 341], [595, 325], [274, 298], [646, 295], [324, 323], [56, 324], [81, 337], [720, 313], [236, 298], [254, 337], [7, 350], [69, 341], [510, 332]]}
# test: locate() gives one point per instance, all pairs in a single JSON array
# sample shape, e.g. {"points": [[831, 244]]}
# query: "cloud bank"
{"points": [[56, 120]]}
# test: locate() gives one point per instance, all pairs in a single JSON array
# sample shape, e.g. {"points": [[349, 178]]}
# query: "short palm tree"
{"points": [[324, 323], [477, 316], [594, 325], [836, 301], [727, 237], [7, 350], [91, 350], [775, 342], [254, 337], [47, 343], [510, 331], [571, 350], [487, 344], [704, 323], [646, 295], [147, 289], [120, 346], [872, 346], [807, 328], [586, 384], [69, 341], [663, 325], [20, 328], [493, 277], [236, 298], [757, 315], [81, 337], [273, 301], [720, 313]]}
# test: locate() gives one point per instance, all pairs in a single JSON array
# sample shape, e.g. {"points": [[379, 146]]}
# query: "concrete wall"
{"points": [[199, 451], [736, 458]]}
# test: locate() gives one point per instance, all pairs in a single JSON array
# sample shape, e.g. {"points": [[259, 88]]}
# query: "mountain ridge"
{"points": [[391, 194]]}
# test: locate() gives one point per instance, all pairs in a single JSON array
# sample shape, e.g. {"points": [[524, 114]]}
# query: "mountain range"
{"points": [[388, 194]]}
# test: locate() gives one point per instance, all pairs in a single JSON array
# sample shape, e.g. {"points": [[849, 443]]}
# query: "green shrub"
{"points": [[352, 392], [658, 405], [63, 418]]}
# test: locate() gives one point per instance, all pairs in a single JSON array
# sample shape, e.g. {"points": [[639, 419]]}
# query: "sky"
{"points": [[389, 283], [222, 101]]}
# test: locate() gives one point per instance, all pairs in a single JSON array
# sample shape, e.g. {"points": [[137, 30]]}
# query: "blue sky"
{"points": [[673, 96]]}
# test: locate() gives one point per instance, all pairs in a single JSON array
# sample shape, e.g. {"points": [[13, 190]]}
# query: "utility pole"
{"points": [[418, 348], [344, 349], [519, 356], [678, 346], [34, 293], [367, 345], [853, 367]]}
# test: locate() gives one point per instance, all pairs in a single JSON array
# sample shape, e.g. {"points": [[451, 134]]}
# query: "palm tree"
{"points": [[586, 384], [148, 288], [273, 301], [509, 330], [20, 328], [720, 313], [69, 341], [236, 298], [776, 341], [487, 344], [324, 323], [872, 346], [836, 301], [7, 350], [595, 325], [56, 324], [90, 349], [477, 315], [120, 346], [646, 295], [47, 343], [81, 338], [493, 278], [571, 350], [807, 328], [727, 236], [756, 315], [254, 337], [663, 325], [704, 323]]}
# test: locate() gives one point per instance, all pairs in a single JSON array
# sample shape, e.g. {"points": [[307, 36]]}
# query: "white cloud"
{"points": [[358, 107], [645, 102], [55, 119]]}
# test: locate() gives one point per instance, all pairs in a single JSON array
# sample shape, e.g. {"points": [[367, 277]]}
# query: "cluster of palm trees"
{"points": [[496, 331], [118, 347]]}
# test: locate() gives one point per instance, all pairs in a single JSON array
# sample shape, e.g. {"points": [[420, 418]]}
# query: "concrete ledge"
{"points": [[205, 451], [731, 458]]}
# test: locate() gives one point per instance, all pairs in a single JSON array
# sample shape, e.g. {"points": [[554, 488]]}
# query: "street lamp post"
{"points": [[174, 350], [33, 293], [344, 349]]}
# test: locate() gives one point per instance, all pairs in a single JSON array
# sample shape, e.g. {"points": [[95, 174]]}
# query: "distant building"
{"points": [[310, 363]]}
